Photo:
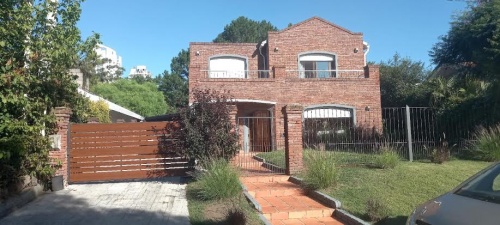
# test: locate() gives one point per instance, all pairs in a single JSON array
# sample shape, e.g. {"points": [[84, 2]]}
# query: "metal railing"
{"points": [[237, 74], [325, 74]]}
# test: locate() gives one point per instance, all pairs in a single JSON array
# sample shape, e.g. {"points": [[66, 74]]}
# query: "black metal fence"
{"points": [[414, 132]]}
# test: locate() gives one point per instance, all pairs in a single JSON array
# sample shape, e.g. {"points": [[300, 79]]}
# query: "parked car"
{"points": [[475, 201]]}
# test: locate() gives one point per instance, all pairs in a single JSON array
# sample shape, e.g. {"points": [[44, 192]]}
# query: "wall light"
{"points": [[197, 52], [276, 49], [356, 50]]}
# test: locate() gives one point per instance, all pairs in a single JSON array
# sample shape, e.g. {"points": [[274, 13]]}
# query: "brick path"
{"points": [[145, 202], [283, 202]]}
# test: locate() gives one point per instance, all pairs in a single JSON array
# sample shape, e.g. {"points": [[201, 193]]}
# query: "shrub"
{"points": [[236, 217], [219, 181], [207, 132], [486, 144], [99, 110], [387, 159], [441, 153], [376, 210], [321, 171]]}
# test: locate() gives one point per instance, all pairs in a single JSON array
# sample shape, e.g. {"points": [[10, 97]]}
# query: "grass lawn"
{"points": [[214, 212], [401, 189]]}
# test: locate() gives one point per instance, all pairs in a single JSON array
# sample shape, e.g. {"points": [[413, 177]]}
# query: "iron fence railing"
{"points": [[414, 132], [325, 74], [237, 74]]}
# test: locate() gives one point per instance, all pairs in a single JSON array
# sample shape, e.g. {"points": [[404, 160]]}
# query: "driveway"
{"points": [[140, 202]]}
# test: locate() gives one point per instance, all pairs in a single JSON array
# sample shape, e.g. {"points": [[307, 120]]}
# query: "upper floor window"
{"points": [[317, 65], [227, 67]]}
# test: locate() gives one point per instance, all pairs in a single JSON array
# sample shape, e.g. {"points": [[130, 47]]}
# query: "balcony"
{"points": [[237, 74], [325, 74]]}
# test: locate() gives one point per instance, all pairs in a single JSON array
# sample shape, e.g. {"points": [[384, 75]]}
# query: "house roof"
{"points": [[112, 106], [319, 19]]}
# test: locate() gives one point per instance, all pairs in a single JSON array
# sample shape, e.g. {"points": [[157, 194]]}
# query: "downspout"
{"points": [[366, 49], [263, 57]]}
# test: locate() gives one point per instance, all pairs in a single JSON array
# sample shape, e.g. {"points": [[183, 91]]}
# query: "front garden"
{"points": [[395, 191]]}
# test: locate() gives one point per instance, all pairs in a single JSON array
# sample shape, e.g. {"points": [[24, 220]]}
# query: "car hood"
{"points": [[458, 210]]}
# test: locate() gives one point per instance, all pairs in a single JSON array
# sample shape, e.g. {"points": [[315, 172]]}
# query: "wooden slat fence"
{"points": [[107, 152]]}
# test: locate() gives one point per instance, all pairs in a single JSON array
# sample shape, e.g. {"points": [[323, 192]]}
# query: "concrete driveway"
{"points": [[140, 202]]}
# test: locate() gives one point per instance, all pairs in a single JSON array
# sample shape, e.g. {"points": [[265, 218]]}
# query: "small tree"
{"points": [[99, 110], [207, 133]]}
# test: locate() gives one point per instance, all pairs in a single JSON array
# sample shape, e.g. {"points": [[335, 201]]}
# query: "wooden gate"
{"points": [[106, 152]]}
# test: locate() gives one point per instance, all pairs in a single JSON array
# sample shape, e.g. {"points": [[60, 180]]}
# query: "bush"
{"points": [[207, 132], [219, 181], [236, 217], [387, 159], [321, 171], [376, 210], [486, 144], [99, 110]]}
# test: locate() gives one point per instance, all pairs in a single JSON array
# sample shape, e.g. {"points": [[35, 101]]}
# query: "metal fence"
{"points": [[414, 132]]}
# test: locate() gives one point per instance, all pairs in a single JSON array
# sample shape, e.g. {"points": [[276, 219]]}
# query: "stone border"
{"points": [[255, 204], [16, 202], [339, 213]]}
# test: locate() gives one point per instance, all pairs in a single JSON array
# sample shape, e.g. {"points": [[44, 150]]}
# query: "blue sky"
{"points": [[151, 32]]}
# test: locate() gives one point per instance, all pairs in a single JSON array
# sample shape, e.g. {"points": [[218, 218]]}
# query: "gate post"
{"points": [[60, 154], [293, 138], [408, 133]]}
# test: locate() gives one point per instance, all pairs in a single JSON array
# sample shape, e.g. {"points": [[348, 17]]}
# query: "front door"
{"points": [[260, 131]]}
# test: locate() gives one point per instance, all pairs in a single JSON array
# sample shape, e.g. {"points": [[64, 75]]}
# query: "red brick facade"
{"points": [[360, 91], [293, 138]]}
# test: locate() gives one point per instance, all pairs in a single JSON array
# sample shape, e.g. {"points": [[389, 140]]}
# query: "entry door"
{"points": [[261, 131]]}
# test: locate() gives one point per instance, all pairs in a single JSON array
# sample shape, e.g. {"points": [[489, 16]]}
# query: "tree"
{"points": [[36, 52], [180, 64], [473, 42], [144, 99], [244, 30], [175, 89], [403, 82]]}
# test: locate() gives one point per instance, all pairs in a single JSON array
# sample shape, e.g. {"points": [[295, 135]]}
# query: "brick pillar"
{"points": [[293, 138], [373, 71], [60, 154], [279, 72]]}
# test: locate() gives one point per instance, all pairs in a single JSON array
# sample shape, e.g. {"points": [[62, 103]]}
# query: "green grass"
{"points": [[341, 158], [401, 189], [212, 212], [219, 181]]}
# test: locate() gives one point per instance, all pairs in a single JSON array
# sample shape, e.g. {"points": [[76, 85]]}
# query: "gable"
{"points": [[314, 22]]}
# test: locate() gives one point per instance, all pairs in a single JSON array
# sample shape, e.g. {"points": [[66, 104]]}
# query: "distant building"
{"points": [[114, 61], [141, 71]]}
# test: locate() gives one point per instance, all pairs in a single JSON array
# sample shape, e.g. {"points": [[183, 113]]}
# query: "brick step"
{"points": [[283, 188], [292, 207], [264, 179], [303, 214], [308, 221]]}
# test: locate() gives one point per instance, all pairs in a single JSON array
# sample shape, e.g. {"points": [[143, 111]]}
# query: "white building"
{"points": [[139, 71], [113, 62]]}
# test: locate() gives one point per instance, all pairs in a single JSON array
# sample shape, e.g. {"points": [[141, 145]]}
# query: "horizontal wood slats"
{"points": [[105, 152]]}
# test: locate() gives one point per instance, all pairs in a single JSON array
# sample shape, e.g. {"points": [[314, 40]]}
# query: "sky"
{"points": [[152, 32]]}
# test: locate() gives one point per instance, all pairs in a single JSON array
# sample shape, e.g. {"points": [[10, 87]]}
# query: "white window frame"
{"points": [[317, 56]]}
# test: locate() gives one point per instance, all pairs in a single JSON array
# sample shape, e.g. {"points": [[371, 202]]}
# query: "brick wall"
{"points": [[61, 155], [316, 34]]}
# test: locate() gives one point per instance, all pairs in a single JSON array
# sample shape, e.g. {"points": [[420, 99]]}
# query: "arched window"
{"points": [[227, 66], [317, 65]]}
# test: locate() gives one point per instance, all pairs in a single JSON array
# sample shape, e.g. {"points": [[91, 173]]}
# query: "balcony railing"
{"points": [[237, 74], [325, 74]]}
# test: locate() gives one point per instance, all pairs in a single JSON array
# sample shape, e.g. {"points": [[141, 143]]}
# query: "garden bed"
{"points": [[212, 212]]}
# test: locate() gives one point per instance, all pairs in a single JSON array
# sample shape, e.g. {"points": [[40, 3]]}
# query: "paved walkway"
{"points": [[142, 202], [283, 202]]}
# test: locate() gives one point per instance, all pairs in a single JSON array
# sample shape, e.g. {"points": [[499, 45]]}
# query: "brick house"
{"points": [[315, 63]]}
